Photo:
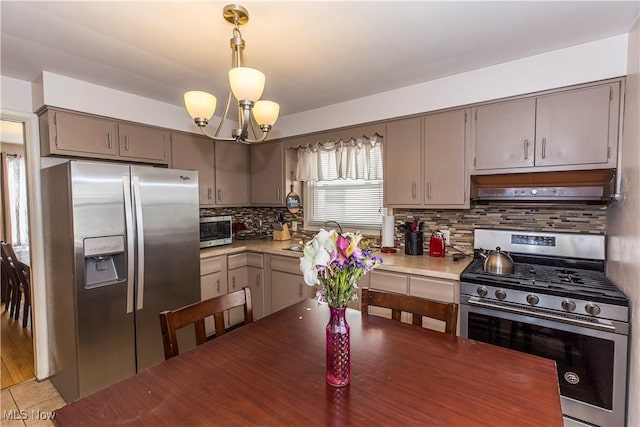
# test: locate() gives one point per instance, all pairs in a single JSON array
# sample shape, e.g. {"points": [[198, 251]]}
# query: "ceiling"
{"points": [[313, 53]]}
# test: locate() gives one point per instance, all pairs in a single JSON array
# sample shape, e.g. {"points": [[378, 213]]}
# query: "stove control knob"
{"points": [[482, 291], [592, 309], [533, 299], [568, 305], [501, 294]]}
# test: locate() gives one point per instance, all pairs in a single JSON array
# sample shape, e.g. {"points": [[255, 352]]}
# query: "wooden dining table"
{"points": [[272, 372]]}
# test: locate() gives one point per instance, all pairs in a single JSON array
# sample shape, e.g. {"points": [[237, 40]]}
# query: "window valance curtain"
{"points": [[355, 158]]}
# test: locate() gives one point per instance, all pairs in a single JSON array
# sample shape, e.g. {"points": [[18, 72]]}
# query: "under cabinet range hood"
{"points": [[567, 186]]}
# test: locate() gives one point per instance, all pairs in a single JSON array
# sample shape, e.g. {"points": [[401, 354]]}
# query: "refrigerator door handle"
{"points": [[137, 200], [128, 216]]}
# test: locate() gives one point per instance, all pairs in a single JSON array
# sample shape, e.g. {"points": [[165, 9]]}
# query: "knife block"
{"points": [[282, 235]]}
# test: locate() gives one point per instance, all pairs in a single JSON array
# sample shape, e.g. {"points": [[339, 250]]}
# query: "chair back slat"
{"points": [[172, 320], [418, 307]]}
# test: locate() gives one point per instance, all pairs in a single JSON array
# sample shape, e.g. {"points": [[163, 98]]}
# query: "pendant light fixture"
{"points": [[246, 85]]}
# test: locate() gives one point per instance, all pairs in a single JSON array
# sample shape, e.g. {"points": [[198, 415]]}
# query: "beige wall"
{"points": [[623, 226]]}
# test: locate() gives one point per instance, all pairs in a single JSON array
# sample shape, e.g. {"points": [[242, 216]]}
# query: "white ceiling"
{"points": [[313, 53]]}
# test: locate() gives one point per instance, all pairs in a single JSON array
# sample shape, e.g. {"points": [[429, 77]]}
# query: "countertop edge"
{"points": [[442, 268]]}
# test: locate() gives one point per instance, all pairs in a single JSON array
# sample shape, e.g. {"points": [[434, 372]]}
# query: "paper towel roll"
{"points": [[388, 231]]}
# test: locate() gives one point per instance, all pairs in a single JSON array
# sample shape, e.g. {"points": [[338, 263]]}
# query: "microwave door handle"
{"points": [[128, 218], [140, 238]]}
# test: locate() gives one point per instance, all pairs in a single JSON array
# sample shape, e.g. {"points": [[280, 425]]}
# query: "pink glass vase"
{"points": [[338, 349]]}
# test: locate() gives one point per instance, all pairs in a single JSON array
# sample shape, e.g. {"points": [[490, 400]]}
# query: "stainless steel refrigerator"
{"points": [[121, 245]]}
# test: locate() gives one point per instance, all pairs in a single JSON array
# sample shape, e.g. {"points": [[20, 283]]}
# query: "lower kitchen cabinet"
{"points": [[436, 289], [245, 269], [287, 283], [213, 283], [421, 286]]}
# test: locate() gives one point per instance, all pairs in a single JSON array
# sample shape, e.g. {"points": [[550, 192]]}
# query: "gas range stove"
{"points": [[560, 272]]}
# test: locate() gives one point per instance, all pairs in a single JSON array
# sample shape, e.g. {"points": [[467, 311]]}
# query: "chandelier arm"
{"points": [[226, 112], [214, 137], [245, 118]]}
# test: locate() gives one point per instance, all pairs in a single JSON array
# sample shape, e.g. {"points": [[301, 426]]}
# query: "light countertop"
{"points": [[423, 265]]}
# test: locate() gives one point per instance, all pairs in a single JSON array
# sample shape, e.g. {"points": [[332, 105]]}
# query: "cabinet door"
{"points": [[436, 289], [444, 159], [142, 143], [238, 279], [213, 283], [287, 289], [402, 154], [195, 153], [572, 128], [504, 134], [389, 282], [255, 282], [267, 174], [76, 134], [231, 173]]}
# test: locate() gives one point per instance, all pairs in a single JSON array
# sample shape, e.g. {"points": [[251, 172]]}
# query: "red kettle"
{"points": [[436, 244]]}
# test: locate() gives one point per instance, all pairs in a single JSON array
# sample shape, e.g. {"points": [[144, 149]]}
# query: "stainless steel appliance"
{"points": [[121, 245], [557, 304], [215, 231]]}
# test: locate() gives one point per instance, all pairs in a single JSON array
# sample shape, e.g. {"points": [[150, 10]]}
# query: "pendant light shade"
{"points": [[266, 112], [200, 105], [246, 83]]}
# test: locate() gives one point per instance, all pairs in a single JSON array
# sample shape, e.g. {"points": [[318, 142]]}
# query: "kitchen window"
{"points": [[343, 183]]}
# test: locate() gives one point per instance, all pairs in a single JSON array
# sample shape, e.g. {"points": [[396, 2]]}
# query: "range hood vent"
{"points": [[577, 186]]}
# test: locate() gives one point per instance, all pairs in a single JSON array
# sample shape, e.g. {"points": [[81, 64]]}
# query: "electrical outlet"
{"points": [[294, 225], [447, 236]]}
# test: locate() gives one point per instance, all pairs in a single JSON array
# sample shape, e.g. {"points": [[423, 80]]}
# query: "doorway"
{"points": [[16, 345]]}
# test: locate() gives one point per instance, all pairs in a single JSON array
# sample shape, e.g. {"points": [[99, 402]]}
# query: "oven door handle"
{"points": [[541, 315]]}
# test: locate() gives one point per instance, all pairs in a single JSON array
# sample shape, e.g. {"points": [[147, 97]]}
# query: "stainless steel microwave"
{"points": [[215, 231]]}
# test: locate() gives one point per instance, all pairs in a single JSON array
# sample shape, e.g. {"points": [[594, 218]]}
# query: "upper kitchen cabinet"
{"points": [[72, 134], [578, 127], [78, 135], [425, 161], [504, 134], [195, 152], [445, 172], [267, 174], [402, 163], [143, 143], [231, 173], [568, 130]]}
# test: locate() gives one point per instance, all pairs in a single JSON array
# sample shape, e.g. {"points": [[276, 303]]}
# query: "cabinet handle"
{"points": [[428, 189], [218, 287], [258, 281], [300, 291], [413, 190], [544, 147], [233, 282], [109, 143], [278, 194], [219, 194], [526, 149], [209, 193], [126, 142]]}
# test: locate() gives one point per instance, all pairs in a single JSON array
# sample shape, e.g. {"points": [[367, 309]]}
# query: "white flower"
{"points": [[317, 253]]}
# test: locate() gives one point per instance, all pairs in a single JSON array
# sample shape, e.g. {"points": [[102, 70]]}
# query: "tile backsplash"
{"points": [[571, 218]]}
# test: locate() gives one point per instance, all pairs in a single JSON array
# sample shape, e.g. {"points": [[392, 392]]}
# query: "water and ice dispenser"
{"points": [[104, 259]]}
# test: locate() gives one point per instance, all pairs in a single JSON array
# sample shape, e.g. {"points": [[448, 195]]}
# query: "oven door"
{"points": [[591, 363]]}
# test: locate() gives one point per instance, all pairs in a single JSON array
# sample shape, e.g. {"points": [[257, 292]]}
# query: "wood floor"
{"points": [[16, 351]]}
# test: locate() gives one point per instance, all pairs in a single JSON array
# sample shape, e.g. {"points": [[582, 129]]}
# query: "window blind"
{"points": [[354, 202]]}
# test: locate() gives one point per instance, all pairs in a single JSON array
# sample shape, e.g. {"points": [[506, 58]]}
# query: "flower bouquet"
{"points": [[335, 262]]}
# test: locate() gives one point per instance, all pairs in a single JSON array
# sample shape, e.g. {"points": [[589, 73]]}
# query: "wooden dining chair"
{"points": [[20, 284], [13, 284], [418, 307], [172, 320]]}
